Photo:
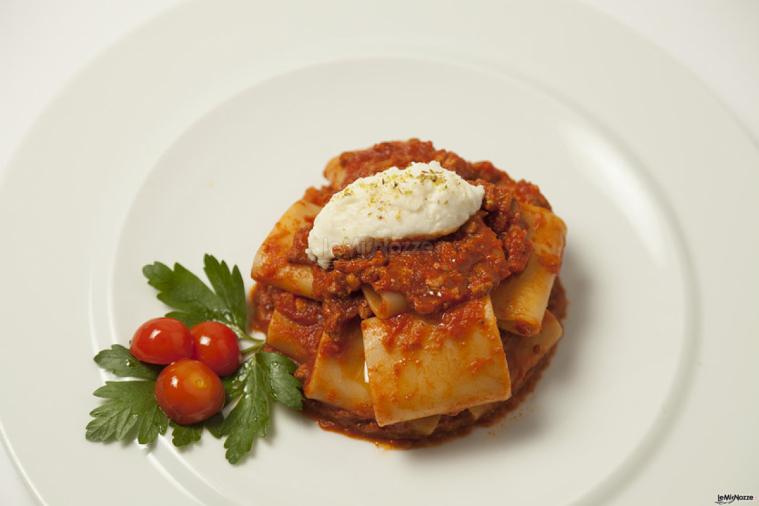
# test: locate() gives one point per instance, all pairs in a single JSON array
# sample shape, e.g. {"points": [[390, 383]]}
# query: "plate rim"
{"points": [[14, 165]]}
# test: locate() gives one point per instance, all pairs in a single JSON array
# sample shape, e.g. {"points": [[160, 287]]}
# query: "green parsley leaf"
{"points": [[214, 425], [229, 288], [285, 388], [182, 290], [251, 416], [230, 387], [130, 408], [263, 378], [194, 302], [183, 435], [121, 362]]}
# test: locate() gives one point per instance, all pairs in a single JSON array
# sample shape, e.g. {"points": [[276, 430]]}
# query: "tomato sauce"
{"points": [[431, 275]]}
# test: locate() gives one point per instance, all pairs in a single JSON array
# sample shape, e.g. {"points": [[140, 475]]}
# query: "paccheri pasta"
{"points": [[414, 337]]}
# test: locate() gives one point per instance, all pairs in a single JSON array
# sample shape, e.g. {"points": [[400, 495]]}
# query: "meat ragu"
{"points": [[413, 340]]}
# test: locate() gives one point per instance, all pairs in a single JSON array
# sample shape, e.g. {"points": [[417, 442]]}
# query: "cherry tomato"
{"points": [[188, 391], [216, 346], [162, 341]]}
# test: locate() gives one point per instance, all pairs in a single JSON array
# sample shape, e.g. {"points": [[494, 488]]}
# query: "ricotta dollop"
{"points": [[423, 200]]}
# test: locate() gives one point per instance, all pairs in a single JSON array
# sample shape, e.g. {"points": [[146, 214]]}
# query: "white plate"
{"points": [[193, 134]]}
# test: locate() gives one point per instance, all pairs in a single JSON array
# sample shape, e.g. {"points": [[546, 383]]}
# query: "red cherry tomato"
{"points": [[216, 346], [162, 341], [188, 391]]}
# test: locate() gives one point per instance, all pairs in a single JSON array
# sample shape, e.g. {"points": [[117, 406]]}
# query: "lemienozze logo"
{"points": [[731, 498]]}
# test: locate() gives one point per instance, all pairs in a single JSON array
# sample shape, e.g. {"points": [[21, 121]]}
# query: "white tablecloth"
{"points": [[44, 42]]}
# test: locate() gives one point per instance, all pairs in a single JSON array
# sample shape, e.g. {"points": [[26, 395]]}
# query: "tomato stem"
{"points": [[253, 349], [243, 335]]}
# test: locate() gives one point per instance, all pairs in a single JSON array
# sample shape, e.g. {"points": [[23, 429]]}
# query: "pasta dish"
{"points": [[417, 292]]}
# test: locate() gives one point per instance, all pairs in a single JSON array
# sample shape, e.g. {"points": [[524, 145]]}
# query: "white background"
{"points": [[44, 42]]}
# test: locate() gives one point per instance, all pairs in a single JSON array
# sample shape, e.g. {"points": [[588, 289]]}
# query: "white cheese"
{"points": [[422, 201]]}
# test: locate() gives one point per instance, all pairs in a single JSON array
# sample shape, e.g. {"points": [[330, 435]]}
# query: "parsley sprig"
{"points": [[130, 410], [194, 302], [265, 378]]}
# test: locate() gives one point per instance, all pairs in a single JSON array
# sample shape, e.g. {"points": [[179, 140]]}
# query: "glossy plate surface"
{"points": [[193, 134]]}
